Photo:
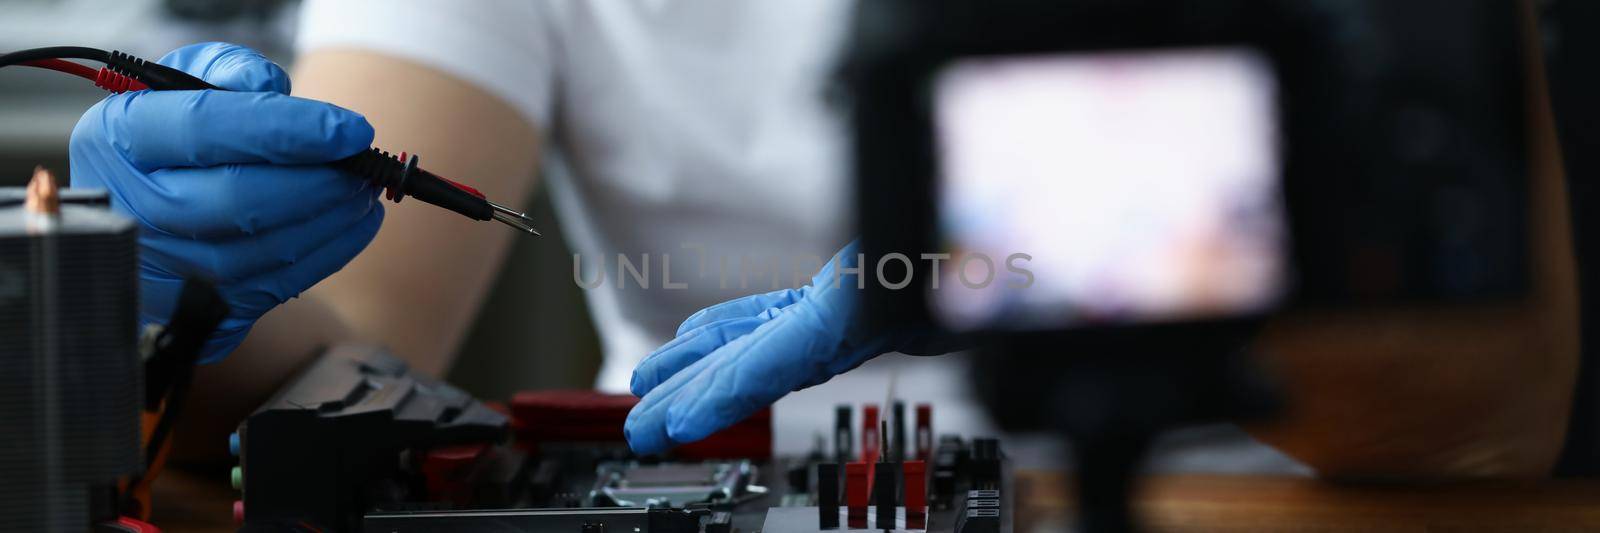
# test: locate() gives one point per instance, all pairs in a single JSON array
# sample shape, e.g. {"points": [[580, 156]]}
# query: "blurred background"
{"points": [[38, 110], [534, 332]]}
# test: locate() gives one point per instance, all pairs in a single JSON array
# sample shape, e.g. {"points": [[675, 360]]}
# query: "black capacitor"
{"points": [[884, 488], [944, 487], [948, 460], [985, 468], [827, 496], [898, 447], [843, 435]]}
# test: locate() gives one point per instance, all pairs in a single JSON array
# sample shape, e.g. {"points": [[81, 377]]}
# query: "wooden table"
{"points": [[1192, 503], [188, 503]]}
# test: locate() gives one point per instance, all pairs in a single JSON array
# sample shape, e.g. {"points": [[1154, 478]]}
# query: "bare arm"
{"points": [[418, 286]]}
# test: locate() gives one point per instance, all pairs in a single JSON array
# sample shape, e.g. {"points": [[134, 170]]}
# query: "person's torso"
{"points": [[693, 138]]}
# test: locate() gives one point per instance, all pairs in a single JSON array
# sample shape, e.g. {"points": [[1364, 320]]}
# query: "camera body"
{"points": [[1393, 171]]}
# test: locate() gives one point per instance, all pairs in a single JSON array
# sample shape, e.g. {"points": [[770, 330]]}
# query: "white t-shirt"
{"points": [[693, 132], [683, 128]]}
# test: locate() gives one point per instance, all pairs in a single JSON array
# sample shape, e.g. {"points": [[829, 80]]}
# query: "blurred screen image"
{"points": [[1107, 188]]}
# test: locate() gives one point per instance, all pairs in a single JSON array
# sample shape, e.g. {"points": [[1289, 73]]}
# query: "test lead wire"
{"points": [[399, 177]]}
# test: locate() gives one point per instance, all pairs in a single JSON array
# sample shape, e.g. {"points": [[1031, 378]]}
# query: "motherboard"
{"points": [[356, 442]]}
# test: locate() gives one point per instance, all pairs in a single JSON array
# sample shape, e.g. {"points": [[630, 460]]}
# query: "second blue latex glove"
{"points": [[231, 186], [732, 359]]}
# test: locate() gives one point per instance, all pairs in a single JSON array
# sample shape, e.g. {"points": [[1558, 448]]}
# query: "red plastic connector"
{"points": [[445, 471], [869, 434], [915, 487], [857, 492], [117, 83]]}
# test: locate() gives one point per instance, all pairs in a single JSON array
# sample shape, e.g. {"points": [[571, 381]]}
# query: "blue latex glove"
{"points": [[229, 185], [732, 359]]}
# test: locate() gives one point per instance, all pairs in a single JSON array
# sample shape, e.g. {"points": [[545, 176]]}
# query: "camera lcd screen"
{"points": [[1106, 188]]}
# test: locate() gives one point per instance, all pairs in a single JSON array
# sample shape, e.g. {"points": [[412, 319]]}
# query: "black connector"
{"points": [[827, 496], [400, 177], [158, 76], [897, 442], [885, 484], [843, 435]]}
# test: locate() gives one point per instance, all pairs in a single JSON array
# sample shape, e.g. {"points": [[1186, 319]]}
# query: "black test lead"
{"points": [[401, 177], [398, 176]]}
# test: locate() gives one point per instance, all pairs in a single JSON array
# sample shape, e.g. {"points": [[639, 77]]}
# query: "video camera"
{"points": [[1108, 197], [1048, 167]]}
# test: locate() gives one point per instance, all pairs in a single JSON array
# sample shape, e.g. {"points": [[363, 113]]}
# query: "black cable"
{"points": [[156, 75], [55, 52], [169, 416], [169, 371]]}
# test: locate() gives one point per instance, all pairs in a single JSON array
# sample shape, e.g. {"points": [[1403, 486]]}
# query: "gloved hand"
{"points": [[734, 358], [229, 185]]}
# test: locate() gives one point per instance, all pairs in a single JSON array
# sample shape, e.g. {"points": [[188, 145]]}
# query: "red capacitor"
{"points": [[857, 491], [924, 431], [574, 416], [750, 438], [915, 485], [446, 470], [869, 434]]}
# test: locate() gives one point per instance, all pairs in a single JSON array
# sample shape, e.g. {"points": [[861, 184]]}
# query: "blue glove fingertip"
{"points": [[690, 323], [691, 428], [689, 419], [346, 132], [646, 375], [645, 435], [229, 66], [688, 349]]}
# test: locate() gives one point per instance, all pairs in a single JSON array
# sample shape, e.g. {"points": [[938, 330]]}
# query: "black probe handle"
{"points": [[158, 76], [432, 189], [401, 178]]}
